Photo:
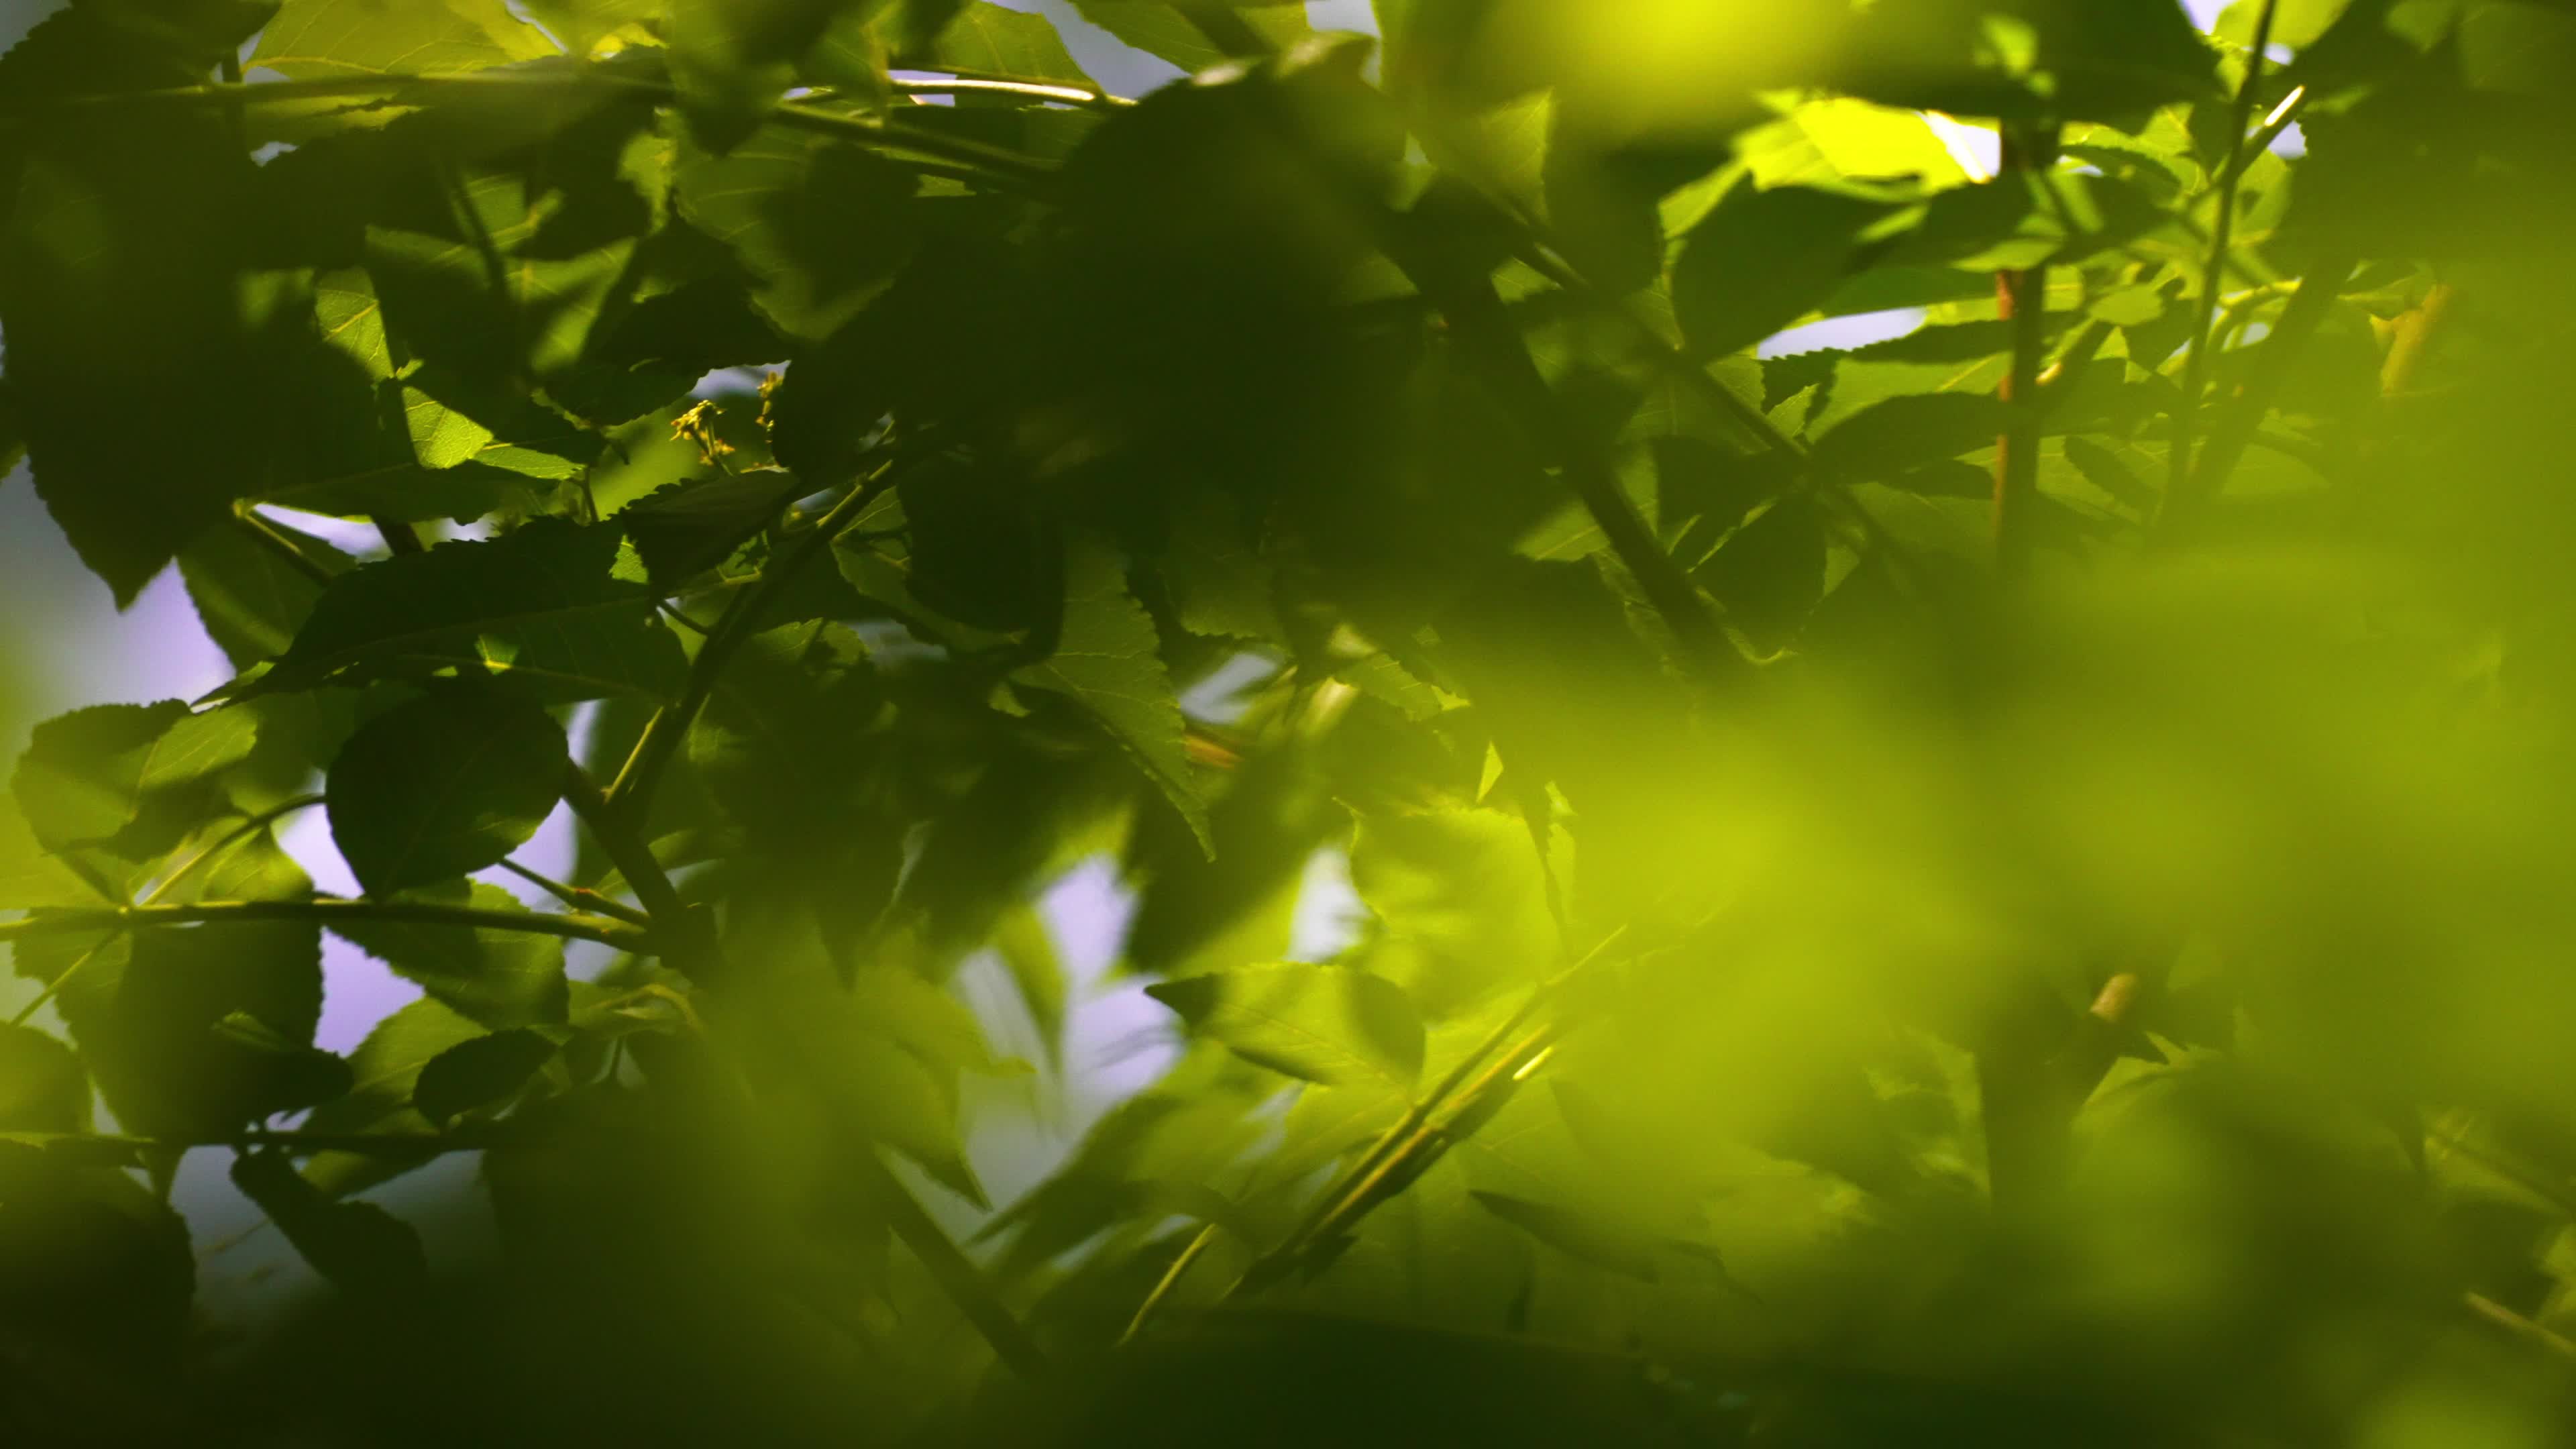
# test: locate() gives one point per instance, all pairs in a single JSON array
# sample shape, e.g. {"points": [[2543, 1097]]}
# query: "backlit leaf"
{"points": [[312, 39], [386, 1066], [357, 1245], [1592, 1241], [126, 776], [1317, 1023], [500, 978], [1108, 660]]}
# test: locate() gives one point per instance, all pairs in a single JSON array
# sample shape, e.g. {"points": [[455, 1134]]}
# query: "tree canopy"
{"points": [[2003, 885]]}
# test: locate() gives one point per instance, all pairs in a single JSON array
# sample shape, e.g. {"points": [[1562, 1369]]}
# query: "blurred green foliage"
{"points": [[2008, 885]]}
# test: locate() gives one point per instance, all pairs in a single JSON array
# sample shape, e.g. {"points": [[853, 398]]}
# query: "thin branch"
{"points": [[969, 72], [2222, 238], [236, 836], [1170, 1281], [2283, 117], [2537, 1335], [284, 547], [1391, 1161], [1482, 1098], [1036, 90], [1477, 319], [2417, 331], [327, 909], [958, 1277], [631, 793], [2299, 320], [577, 897], [169, 883], [630, 853]]}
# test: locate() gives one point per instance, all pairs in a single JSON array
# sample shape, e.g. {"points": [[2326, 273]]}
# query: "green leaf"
{"points": [[478, 1073], [1161, 29], [582, 24], [1762, 260], [1888, 437], [2295, 23], [1603, 1245], [293, 1074], [387, 1066], [539, 607], [449, 783], [1108, 660], [2102, 467], [1317, 1023], [987, 37], [902, 1101], [1462, 900], [121, 251], [1028, 953], [685, 529], [2129, 306], [96, 1276], [500, 275], [32, 876], [316, 39], [1771, 572], [2072, 59], [731, 59], [506, 432], [125, 776], [150, 1014], [500, 978], [250, 600], [822, 226], [357, 1245], [42, 1085]]}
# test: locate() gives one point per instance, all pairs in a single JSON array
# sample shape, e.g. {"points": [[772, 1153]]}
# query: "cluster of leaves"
{"points": [[1999, 884]]}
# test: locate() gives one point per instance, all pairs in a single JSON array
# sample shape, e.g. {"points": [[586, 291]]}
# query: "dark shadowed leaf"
{"points": [[478, 1073], [128, 349], [357, 1245], [42, 1085], [819, 224], [448, 783], [251, 600], [1762, 260], [687, 528], [150, 1015], [541, 607], [1890, 437]]}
